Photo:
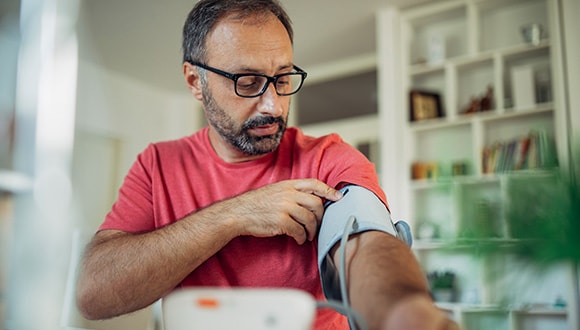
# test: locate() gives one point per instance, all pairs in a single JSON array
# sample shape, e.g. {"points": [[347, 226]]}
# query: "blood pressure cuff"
{"points": [[370, 214]]}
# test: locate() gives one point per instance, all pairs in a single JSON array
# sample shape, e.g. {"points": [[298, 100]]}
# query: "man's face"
{"points": [[242, 127], [241, 136]]}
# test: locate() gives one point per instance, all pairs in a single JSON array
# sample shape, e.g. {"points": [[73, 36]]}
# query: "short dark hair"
{"points": [[206, 13]]}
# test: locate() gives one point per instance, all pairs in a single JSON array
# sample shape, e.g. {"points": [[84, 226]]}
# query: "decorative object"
{"points": [[442, 284], [424, 170], [483, 103], [432, 170], [427, 231], [523, 86], [543, 82], [418, 171], [424, 105], [487, 101], [459, 168], [533, 33], [436, 49]]}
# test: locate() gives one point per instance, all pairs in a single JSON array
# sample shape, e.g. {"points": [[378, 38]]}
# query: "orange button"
{"points": [[208, 302]]}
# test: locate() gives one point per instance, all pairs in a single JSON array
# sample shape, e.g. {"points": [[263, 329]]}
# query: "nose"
{"points": [[271, 103]]}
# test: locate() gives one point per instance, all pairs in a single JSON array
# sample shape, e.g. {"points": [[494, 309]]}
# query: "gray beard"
{"points": [[240, 139]]}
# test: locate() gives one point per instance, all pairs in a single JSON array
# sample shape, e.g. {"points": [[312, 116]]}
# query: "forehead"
{"points": [[244, 40]]}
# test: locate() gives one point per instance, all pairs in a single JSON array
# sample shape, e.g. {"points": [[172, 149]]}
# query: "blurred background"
{"points": [[469, 110]]}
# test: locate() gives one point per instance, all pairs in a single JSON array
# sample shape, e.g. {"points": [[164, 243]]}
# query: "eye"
{"points": [[250, 82], [283, 80]]}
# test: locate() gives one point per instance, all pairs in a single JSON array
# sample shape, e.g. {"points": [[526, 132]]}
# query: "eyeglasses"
{"points": [[255, 84]]}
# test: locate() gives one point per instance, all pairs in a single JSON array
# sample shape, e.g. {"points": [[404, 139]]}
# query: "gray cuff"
{"points": [[370, 214]]}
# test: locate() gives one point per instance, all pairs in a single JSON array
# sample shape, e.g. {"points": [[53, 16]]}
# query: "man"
{"points": [[240, 202]]}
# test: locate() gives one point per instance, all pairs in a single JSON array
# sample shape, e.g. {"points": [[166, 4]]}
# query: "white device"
{"points": [[238, 308]]}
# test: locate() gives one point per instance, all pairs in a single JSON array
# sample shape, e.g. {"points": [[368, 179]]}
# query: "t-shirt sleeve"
{"points": [[342, 164], [133, 210]]}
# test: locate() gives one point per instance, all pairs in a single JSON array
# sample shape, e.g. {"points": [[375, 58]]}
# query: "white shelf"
{"points": [[484, 308], [14, 182], [485, 116], [520, 50], [483, 48]]}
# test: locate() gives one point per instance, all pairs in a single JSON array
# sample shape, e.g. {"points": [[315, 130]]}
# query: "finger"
{"points": [[311, 202], [295, 230], [308, 220], [318, 188]]}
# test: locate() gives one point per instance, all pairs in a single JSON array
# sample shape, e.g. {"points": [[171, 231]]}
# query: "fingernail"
{"points": [[338, 194]]}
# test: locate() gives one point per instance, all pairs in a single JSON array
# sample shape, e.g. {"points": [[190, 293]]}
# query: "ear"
{"points": [[193, 80]]}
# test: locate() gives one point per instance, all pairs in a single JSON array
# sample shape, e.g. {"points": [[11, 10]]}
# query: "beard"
{"points": [[239, 136]]}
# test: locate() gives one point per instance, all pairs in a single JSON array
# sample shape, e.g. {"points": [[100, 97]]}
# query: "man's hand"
{"points": [[293, 208]]}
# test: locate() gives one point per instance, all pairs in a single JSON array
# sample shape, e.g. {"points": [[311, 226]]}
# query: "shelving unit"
{"points": [[461, 50]]}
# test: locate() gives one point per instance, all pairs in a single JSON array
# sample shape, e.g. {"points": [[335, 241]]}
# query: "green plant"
{"points": [[441, 280]]}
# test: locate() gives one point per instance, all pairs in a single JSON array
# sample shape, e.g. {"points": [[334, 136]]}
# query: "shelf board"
{"points": [[466, 307], [426, 69], [523, 49], [14, 182], [483, 179], [510, 52], [429, 244], [425, 184], [502, 114], [461, 243], [485, 116], [543, 311], [438, 123], [486, 308]]}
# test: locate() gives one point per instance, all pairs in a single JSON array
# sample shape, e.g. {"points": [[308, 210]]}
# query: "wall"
{"points": [[131, 111]]}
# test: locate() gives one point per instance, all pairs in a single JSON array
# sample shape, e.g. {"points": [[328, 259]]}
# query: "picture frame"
{"points": [[424, 105]]}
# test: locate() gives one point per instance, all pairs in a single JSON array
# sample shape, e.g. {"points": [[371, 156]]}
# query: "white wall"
{"points": [[131, 111]]}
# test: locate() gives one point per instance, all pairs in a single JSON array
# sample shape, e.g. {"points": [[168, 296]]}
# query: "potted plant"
{"points": [[442, 284]]}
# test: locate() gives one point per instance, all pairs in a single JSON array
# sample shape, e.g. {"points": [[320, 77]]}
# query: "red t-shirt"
{"points": [[172, 179]]}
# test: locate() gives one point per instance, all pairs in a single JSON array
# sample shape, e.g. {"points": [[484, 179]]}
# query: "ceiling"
{"points": [[142, 38]]}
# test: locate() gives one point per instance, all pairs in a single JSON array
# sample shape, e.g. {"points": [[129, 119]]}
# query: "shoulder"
{"points": [[176, 148], [336, 162], [298, 139]]}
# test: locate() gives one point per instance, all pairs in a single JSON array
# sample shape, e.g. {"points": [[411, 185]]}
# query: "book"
{"points": [[532, 151]]}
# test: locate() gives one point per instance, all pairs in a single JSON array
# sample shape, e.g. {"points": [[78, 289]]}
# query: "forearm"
{"points": [[381, 273], [122, 272]]}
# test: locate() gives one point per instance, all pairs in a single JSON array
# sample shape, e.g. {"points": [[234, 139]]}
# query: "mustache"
{"points": [[260, 121]]}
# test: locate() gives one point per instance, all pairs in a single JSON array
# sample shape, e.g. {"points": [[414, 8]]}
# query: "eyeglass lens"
{"points": [[250, 85]]}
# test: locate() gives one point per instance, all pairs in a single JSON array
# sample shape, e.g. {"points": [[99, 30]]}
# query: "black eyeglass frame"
{"points": [[269, 79]]}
